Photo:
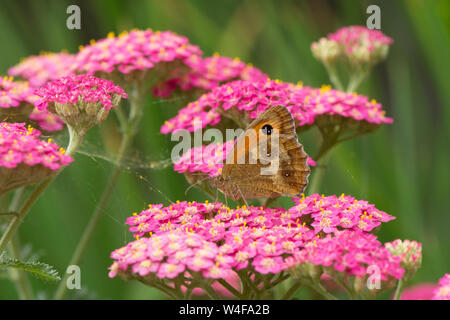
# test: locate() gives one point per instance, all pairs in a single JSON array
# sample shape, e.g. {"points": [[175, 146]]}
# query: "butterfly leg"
{"points": [[243, 198]]}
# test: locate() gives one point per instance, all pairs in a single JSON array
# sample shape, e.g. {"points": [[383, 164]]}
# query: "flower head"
{"points": [[126, 58], [421, 291], [16, 99], [410, 253], [47, 66], [246, 100], [355, 43], [333, 213], [208, 73], [217, 241], [81, 101], [24, 158], [350, 253], [442, 292], [47, 121]]}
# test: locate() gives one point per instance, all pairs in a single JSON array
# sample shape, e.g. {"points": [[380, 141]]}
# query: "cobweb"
{"points": [[140, 166]]}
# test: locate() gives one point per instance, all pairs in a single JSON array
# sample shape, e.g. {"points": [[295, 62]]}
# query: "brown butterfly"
{"points": [[266, 161]]}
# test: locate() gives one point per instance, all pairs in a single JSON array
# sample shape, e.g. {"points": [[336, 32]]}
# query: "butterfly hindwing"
{"points": [[242, 178]]}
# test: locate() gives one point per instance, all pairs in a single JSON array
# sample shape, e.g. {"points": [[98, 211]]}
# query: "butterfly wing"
{"points": [[245, 179]]}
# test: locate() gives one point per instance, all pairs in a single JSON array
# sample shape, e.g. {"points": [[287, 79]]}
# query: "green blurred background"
{"points": [[403, 168]]}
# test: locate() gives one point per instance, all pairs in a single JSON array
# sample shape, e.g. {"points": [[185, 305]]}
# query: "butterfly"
{"points": [[266, 161]]}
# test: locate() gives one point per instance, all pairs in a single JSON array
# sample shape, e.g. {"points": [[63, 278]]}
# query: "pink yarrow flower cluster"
{"points": [[354, 36], [13, 93], [245, 237], [81, 101], [208, 73], [79, 88], [40, 69], [134, 50], [169, 255], [47, 121], [246, 100], [442, 292], [350, 253], [24, 158], [354, 44], [21, 145], [255, 237], [333, 213], [16, 99]]}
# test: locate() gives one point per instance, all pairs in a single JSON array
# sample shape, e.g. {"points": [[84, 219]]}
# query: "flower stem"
{"points": [[128, 135], [16, 221], [292, 290], [320, 289], [230, 288], [74, 143], [209, 291], [399, 289], [334, 77], [21, 280], [319, 172], [20, 277]]}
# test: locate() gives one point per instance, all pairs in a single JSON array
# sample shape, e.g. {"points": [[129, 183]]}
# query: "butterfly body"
{"points": [[266, 161]]}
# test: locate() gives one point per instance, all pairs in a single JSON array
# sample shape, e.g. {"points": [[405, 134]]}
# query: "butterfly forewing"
{"points": [[266, 160]]}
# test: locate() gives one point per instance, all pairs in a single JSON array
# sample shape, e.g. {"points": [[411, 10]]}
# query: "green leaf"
{"points": [[40, 270]]}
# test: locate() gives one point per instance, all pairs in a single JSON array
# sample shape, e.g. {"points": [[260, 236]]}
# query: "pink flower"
{"points": [[354, 36], [442, 292], [355, 43], [76, 88], [81, 101], [16, 100], [38, 70], [208, 73], [46, 120], [137, 50], [24, 158], [246, 100], [205, 159], [421, 291], [344, 212], [351, 252]]}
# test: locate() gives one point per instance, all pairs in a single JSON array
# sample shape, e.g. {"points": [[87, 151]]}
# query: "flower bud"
{"points": [[410, 253]]}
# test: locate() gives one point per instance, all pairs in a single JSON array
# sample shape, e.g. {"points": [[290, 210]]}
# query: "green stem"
{"points": [[328, 142], [321, 290], [292, 290], [209, 291], [128, 135], [357, 78], [334, 77], [22, 282], [16, 221], [399, 289], [20, 277], [230, 288], [319, 172]]}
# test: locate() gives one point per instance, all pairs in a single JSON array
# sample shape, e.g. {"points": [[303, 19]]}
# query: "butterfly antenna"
{"points": [[195, 184]]}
